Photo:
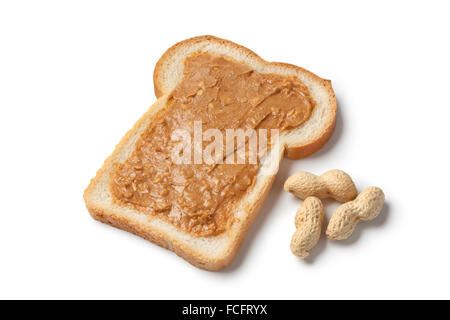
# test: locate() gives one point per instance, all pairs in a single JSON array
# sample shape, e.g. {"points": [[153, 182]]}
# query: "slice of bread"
{"points": [[214, 252]]}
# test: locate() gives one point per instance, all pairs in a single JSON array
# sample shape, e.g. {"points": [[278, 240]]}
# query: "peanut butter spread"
{"points": [[222, 94]]}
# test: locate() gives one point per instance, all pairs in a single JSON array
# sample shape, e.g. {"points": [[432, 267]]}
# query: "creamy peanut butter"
{"points": [[222, 94]]}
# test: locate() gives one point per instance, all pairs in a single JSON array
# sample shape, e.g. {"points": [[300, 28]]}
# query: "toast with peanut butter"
{"points": [[170, 179]]}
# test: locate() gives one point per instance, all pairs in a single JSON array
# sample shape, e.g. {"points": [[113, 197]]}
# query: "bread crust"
{"points": [[236, 236]]}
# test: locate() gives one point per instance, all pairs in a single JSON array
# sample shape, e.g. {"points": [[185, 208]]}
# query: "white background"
{"points": [[76, 75]]}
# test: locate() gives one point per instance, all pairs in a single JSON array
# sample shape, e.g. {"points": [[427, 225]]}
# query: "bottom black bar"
{"points": [[223, 309]]}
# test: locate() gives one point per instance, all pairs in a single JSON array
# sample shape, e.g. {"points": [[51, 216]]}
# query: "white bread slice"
{"points": [[216, 252]]}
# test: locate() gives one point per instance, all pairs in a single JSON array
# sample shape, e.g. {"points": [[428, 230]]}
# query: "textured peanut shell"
{"points": [[334, 184], [367, 206], [308, 221]]}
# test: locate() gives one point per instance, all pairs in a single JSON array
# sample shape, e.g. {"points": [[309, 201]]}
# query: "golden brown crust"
{"points": [[292, 151], [303, 151], [107, 215], [153, 236]]}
